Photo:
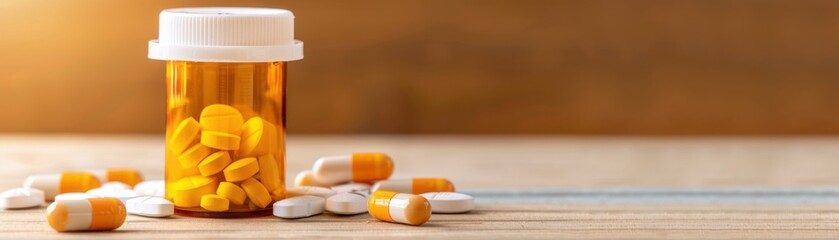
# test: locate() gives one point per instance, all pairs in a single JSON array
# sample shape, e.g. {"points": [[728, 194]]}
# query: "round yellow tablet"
{"points": [[220, 140], [259, 137], [232, 192], [256, 192], [187, 191], [214, 163], [193, 155], [241, 169], [221, 118], [215, 203], [184, 135], [269, 172]]}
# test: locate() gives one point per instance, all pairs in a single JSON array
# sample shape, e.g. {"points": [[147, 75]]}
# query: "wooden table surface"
{"points": [[526, 186]]}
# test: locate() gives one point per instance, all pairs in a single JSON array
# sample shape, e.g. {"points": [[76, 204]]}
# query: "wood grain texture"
{"points": [[488, 163], [437, 66], [508, 221]]}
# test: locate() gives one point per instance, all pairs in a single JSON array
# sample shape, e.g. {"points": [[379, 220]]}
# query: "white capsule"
{"points": [[92, 214], [414, 185], [121, 194], [347, 203], [17, 198], [449, 202], [358, 167], [310, 191], [115, 186], [352, 187], [298, 207], [54, 184], [307, 178], [150, 206], [151, 188], [74, 196]]}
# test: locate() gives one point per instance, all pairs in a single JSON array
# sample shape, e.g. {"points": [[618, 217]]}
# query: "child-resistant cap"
{"points": [[226, 34]]}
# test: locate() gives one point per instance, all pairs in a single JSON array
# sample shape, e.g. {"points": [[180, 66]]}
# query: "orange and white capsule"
{"points": [[128, 176], [93, 214], [67, 182], [414, 185], [399, 207], [358, 167]]}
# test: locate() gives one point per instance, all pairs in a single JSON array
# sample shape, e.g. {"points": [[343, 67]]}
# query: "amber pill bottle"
{"points": [[225, 107]]}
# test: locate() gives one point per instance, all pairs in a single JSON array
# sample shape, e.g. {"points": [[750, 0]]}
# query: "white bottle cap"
{"points": [[226, 35]]}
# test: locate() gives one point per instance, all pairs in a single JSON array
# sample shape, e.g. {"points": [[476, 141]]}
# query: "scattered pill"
{"points": [[220, 140], [415, 185], [74, 196], [449, 202], [128, 176], [298, 207], [187, 191], [221, 118], [151, 188], [399, 207], [215, 203], [214, 163], [269, 172], [17, 198], [54, 184], [347, 203], [231, 192], [184, 135], [94, 214], [241, 169], [115, 186], [258, 138], [307, 178], [150, 206], [121, 194], [352, 187], [310, 191], [358, 167], [256, 193]]}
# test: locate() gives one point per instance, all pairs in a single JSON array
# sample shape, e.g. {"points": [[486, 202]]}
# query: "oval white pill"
{"points": [[347, 203], [298, 207], [150, 206], [74, 196], [115, 186], [310, 191], [16, 198], [449, 202], [352, 187], [151, 188], [122, 194]]}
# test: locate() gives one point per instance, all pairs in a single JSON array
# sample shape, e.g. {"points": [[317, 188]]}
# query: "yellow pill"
{"points": [[221, 118], [231, 192], [193, 155], [259, 137], [215, 203], [278, 194], [214, 163], [220, 140], [184, 135], [269, 172], [187, 191], [241, 169], [256, 192]]}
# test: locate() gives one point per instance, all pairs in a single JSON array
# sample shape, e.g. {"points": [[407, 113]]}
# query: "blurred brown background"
{"points": [[580, 67]]}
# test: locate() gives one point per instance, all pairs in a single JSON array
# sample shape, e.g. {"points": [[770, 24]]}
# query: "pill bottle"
{"points": [[225, 107]]}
